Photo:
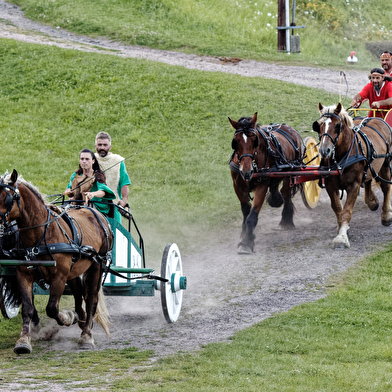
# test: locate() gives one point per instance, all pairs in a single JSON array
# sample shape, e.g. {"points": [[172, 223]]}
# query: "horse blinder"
{"points": [[316, 127], [9, 200]]}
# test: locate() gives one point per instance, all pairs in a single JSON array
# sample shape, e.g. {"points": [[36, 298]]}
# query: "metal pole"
{"points": [[287, 8]]}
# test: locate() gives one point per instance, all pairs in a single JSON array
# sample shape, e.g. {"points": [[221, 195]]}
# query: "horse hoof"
{"points": [[69, 317], [341, 242], [23, 346], [86, 343], [244, 250], [386, 222], [287, 226]]}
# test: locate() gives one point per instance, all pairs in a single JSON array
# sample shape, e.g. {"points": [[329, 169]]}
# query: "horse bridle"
{"points": [[243, 130], [329, 115], [9, 200]]}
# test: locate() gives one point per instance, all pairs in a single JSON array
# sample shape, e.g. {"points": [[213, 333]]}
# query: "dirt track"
{"points": [[227, 292]]}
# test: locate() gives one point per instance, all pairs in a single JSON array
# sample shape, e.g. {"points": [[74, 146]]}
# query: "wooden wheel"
{"points": [[171, 291], [311, 191], [388, 118]]}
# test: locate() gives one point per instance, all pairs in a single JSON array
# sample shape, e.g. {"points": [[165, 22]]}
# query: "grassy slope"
{"points": [[240, 28]]}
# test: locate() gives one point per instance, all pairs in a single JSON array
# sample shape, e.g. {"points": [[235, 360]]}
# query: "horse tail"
{"points": [[9, 291], [102, 313]]}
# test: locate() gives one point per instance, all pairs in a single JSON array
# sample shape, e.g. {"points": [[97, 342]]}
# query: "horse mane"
{"points": [[6, 178], [343, 115], [246, 122]]}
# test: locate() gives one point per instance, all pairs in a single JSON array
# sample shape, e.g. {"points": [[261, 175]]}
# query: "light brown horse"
{"points": [[362, 152], [79, 250], [257, 149]]}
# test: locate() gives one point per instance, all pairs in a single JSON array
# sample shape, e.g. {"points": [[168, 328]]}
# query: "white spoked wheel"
{"points": [[171, 291], [8, 311]]}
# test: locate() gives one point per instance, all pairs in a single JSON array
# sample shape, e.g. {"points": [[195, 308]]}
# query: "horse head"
{"points": [[245, 143], [9, 194], [81, 184], [333, 121]]}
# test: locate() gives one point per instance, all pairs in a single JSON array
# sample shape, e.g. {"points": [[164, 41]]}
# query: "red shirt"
{"points": [[369, 93]]}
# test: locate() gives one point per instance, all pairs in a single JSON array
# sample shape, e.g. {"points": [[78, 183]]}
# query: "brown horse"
{"points": [[360, 151], [79, 249], [257, 149]]}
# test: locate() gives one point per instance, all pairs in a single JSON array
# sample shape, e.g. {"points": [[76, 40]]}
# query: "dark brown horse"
{"points": [[362, 152], [79, 249], [260, 149]]}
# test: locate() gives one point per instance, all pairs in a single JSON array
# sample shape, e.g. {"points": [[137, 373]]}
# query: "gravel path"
{"points": [[226, 292]]}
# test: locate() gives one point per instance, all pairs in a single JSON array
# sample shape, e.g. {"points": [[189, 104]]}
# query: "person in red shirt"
{"points": [[386, 62], [379, 93]]}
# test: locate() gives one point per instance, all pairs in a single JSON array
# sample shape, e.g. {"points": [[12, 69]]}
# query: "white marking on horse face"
{"points": [[325, 141], [245, 137]]}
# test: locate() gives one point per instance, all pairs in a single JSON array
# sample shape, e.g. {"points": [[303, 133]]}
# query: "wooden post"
{"points": [[281, 22]]}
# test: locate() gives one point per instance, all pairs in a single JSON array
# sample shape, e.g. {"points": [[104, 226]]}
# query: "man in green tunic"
{"points": [[114, 167]]}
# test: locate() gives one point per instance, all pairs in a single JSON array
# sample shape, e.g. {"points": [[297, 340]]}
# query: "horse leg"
{"points": [[25, 286], [344, 214], [288, 207], [370, 198], [386, 215], [247, 243], [92, 281], [245, 208], [79, 293], [66, 317], [242, 191], [274, 197], [35, 322]]}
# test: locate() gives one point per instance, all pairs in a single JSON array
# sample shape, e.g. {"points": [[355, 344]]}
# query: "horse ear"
{"points": [[338, 108], [316, 127], [254, 120], [14, 176], [321, 107], [233, 123]]}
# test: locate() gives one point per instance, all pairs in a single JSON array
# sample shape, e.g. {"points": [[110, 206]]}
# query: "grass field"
{"points": [[54, 101], [240, 28]]}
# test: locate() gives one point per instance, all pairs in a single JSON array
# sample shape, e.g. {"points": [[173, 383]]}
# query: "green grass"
{"points": [[239, 28]]}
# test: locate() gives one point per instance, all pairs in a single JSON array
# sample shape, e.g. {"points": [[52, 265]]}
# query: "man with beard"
{"points": [[113, 165], [379, 93], [386, 62]]}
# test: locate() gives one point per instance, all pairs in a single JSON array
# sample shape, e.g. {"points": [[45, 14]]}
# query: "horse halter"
{"points": [[316, 128], [256, 143], [9, 200]]}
